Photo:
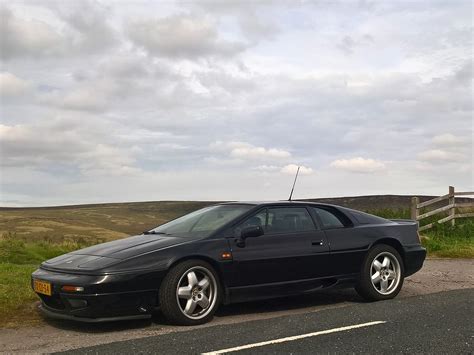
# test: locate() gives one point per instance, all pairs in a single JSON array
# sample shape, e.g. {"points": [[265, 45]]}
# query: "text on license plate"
{"points": [[42, 287]]}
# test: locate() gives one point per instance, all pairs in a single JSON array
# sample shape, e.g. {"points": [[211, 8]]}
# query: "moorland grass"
{"points": [[19, 252]]}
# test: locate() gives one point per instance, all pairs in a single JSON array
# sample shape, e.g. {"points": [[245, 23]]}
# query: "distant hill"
{"points": [[381, 202], [101, 222], [370, 202]]}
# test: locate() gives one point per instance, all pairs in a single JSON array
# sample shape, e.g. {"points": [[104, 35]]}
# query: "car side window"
{"points": [[328, 219], [288, 220]]}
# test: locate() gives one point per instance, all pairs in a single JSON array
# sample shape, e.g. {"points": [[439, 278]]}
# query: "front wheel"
{"points": [[382, 274], [190, 293]]}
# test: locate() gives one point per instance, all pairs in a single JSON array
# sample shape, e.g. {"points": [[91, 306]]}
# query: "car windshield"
{"points": [[202, 222]]}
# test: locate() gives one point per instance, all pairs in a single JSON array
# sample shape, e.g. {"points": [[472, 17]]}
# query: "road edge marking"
{"points": [[292, 338]]}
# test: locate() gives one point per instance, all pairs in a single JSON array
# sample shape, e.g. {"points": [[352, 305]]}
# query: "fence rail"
{"points": [[452, 206]]}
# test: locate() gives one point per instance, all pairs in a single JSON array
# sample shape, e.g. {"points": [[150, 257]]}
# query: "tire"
{"points": [[387, 277], [183, 296]]}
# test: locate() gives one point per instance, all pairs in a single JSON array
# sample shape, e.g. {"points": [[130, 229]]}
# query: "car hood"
{"points": [[106, 254]]}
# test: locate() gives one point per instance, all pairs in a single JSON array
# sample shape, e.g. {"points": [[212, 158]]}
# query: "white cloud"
{"points": [[439, 156], [358, 165], [84, 99], [107, 160], [447, 149], [247, 151], [267, 168], [181, 36], [88, 24], [348, 44], [252, 152], [27, 38], [74, 28], [11, 85], [35, 145], [291, 169], [255, 29], [45, 145], [448, 139]]}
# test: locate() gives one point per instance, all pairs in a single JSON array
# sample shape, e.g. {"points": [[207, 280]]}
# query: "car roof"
{"points": [[280, 203]]}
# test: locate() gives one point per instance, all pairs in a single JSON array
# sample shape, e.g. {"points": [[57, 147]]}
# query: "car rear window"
{"points": [[330, 219], [365, 218]]}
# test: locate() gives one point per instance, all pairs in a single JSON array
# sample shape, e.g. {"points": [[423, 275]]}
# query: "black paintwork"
{"points": [[121, 278]]}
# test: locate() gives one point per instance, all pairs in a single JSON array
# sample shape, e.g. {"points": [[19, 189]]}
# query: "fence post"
{"points": [[414, 208], [452, 211]]}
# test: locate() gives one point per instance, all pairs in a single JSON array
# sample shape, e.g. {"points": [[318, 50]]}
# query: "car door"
{"points": [[292, 248], [348, 245]]}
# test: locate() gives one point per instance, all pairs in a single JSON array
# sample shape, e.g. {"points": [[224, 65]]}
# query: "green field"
{"points": [[31, 235]]}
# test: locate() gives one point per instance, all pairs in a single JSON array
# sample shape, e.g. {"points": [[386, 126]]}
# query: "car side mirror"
{"points": [[248, 232], [251, 232]]}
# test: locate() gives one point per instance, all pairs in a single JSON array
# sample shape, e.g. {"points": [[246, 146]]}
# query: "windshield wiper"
{"points": [[154, 232]]}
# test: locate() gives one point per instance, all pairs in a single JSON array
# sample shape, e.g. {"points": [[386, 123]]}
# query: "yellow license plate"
{"points": [[42, 287]]}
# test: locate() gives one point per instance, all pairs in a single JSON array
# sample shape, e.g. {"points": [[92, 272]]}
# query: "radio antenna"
{"points": [[294, 182]]}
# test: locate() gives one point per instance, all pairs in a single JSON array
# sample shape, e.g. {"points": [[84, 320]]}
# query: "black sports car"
{"points": [[230, 252]]}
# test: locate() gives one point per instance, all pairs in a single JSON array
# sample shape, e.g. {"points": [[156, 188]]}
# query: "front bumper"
{"points": [[414, 256], [52, 314], [105, 297]]}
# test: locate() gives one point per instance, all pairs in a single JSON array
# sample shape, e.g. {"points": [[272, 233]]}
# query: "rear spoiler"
{"points": [[406, 222], [403, 221]]}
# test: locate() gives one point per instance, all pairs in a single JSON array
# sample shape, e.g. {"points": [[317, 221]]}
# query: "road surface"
{"points": [[437, 323]]}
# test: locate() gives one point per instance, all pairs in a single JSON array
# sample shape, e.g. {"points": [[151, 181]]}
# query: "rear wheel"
{"points": [[190, 293], [382, 274]]}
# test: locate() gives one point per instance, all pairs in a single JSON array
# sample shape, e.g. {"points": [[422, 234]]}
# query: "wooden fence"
{"points": [[451, 208]]}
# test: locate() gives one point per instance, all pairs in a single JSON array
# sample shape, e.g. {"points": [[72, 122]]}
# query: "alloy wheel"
{"points": [[385, 273], [196, 292]]}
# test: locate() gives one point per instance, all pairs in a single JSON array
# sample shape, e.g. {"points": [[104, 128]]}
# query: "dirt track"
{"points": [[437, 275]]}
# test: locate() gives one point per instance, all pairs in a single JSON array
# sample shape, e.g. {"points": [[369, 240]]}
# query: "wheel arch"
{"points": [[215, 265], [394, 243]]}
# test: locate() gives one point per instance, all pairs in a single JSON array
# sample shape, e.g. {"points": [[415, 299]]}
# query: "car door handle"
{"points": [[317, 242]]}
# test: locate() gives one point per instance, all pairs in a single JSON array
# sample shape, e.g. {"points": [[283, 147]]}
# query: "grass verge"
{"points": [[448, 241], [16, 297], [18, 259]]}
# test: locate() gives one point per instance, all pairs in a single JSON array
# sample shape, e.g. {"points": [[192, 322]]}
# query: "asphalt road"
{"points": [[435, 323]]}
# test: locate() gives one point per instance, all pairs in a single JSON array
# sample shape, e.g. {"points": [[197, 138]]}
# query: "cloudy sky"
{"points": [[106, 101]]}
